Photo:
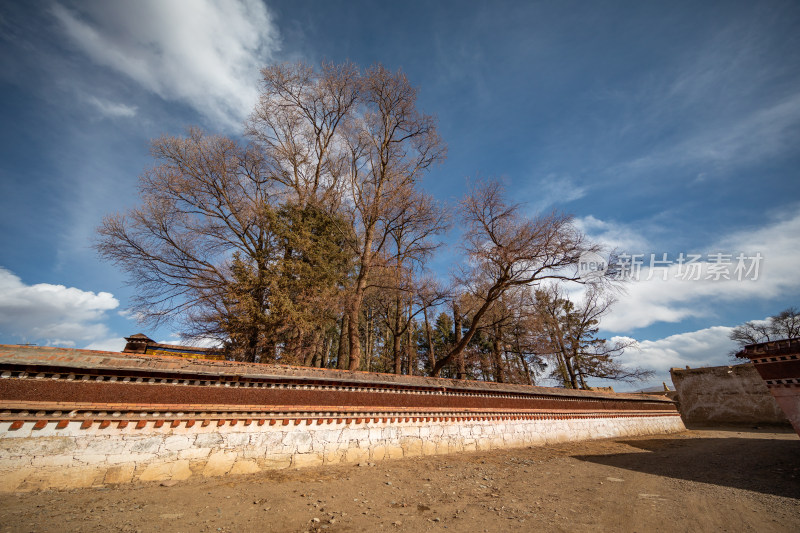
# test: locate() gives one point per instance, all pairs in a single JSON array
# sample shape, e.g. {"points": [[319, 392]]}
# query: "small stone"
{"points": [[315, 520]]}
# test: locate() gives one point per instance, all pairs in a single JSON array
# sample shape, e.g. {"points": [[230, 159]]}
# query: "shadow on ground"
{"points": [[769, 466]]}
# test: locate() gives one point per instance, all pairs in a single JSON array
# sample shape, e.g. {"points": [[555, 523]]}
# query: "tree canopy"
{"points": [[308, 242]]}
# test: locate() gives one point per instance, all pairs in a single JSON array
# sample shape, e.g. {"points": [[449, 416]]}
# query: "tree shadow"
{"points": [[768, 466]]}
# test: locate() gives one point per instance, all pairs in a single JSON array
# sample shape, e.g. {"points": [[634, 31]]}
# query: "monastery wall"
{"points": [[725, 395], [74, 418]]}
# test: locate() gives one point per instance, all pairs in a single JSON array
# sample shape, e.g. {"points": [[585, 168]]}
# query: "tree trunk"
{"points": [[429, 335], [310, 350], [252, 346], [493, 294], [579, 372], [562, 369], [292, 354], [267, 355], [461, 372], [397, 354], [341, 357], [353, 339], [370, 348], [354, 310], [410, 351], [526, 371], [497, 356], [557, 339], [322, 361], [573, 380], [358, 300], [484, 366]]}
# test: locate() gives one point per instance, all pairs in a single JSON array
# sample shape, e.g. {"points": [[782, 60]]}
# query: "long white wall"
{"points": [[36, 458]]}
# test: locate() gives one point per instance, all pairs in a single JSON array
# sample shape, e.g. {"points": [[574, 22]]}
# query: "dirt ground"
{"points": [[701, 480]]}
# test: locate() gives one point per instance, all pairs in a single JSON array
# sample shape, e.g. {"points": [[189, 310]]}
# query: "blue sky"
{"points": [[663, 127]]}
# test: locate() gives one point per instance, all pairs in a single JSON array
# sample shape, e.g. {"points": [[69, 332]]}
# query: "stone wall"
{"points": [[725, 395], [72, 456], [778, 364], [75, 418]]}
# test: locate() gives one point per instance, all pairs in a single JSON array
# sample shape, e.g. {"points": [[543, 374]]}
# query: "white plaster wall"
{"points": [[32, 459], [725, 395]]}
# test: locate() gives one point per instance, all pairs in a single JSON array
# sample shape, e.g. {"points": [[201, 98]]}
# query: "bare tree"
{"points": [[508, 342], [429, 295], [572, 330], [411, 230], [202, 205], [210, 248], [273, 247], [226, 235], [461, 372], [297, 124], [517, 330], [401, 305], [506, 249], [784, 325], [391, 145]]}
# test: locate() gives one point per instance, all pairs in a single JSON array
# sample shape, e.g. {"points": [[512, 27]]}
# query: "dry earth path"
{"points": [[700, 480]]}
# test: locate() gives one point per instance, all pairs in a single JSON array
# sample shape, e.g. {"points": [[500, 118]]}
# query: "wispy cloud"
{"points": [[205, 54], [112, 109], [729, 101], [553, 190], [744, 139]]}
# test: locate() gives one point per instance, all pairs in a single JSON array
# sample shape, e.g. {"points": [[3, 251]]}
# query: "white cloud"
{"points": [[203, 53], [53, 314], [611, 235], [112, 344], [112, 109], [555, 189], [203, 342], [648, 301], [705, 347]]}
